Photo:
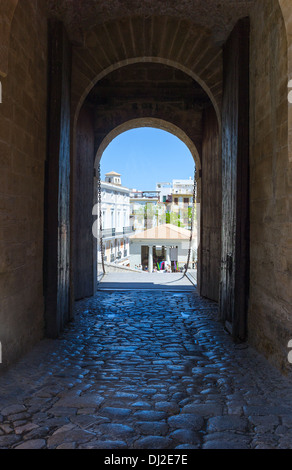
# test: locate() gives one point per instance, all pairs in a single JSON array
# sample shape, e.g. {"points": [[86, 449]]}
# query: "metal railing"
{"points": [[108, 232], [112, 232], [127, 230]]}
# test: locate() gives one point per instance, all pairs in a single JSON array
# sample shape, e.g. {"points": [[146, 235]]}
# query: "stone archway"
{"points": [[167, 126], [167, 41], [136, 40], [149, 122], [163, 61], [120, 43], [183, 38], [110, 121]]}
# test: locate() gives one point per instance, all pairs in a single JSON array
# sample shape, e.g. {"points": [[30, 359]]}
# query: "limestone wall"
{"points": [[22, 157], [211, 203], [270, 315]]}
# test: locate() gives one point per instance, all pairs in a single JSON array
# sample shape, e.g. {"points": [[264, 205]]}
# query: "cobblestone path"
{"points": [[144, 370]]}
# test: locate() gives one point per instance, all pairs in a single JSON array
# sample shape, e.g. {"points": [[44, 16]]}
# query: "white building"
{"points": [[183, 187], [115, 209], [165, 191], [144, 209], [178, 199], [178, 187], [161, 247]]}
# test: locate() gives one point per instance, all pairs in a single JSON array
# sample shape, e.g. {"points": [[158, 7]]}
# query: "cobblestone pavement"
{"points": [[144, 370]]}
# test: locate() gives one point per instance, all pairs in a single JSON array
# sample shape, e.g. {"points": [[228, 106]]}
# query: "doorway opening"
{"points": [[147, 214], [151, 95]]}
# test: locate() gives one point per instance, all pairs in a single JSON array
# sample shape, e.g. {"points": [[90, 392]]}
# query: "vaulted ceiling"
{"points": [[219, 16]]}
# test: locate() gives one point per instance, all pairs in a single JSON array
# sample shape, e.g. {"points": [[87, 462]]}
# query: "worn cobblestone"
{"points": [[133, 372]]}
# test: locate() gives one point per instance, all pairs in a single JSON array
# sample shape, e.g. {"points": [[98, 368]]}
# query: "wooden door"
{"points": [[57, 188], [235, 183]]}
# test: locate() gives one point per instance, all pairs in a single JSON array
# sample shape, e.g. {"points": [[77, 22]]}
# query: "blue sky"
{"points": [[145, 156]]}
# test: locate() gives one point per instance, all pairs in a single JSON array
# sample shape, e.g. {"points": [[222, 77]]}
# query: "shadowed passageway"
{"points": [[144, 369]]}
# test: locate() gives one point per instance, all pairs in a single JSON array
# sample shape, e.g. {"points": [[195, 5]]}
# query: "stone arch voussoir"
{"points": [[149, 122]]}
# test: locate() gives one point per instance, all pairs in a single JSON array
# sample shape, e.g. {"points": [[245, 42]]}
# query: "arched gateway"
{"points": [[226, 77]]}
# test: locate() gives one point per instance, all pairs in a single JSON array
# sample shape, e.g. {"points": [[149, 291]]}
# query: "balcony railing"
{"points": [[127, 230], [108, 232], [145, 194], [112, 232]]}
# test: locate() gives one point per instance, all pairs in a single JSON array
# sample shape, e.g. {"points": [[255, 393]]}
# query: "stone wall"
{"points": [[287, 15], [7, 8], [22, 158], [211, 207], [270, 322], [84, 244], [146, 91]]}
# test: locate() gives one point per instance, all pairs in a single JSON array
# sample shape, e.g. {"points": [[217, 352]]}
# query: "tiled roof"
{"points": [[164, 232]]}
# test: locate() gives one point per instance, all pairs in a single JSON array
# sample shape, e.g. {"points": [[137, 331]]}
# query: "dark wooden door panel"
{"points": [[57, 190], [235, 182]]}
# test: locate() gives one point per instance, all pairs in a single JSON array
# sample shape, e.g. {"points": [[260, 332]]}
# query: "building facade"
{"points": [[145, 209], [177, 198], [115, 211], [162, 248]]}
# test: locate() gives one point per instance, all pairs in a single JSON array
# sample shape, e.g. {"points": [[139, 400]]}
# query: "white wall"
{"points": [[135, 254]]}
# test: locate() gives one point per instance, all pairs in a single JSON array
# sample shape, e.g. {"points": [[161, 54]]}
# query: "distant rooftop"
{"points": [[112, 173], [163, 232]]}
